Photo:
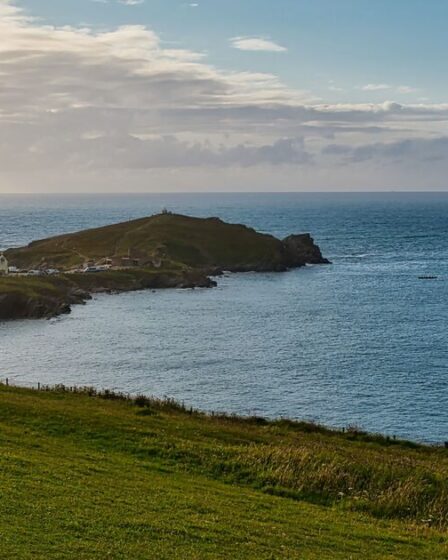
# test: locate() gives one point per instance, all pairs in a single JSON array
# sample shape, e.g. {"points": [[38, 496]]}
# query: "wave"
{"points": [[356, 256]]}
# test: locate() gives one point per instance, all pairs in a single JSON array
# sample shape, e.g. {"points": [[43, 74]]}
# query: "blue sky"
{"points": [[302, 94], [349, 42]]}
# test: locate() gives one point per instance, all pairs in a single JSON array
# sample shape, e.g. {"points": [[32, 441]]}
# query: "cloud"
{"points": [[116, 106], [256, 44], [124, 2], [384, 87], [166, 152], [376, 87], [406, 89], [406, 150]]}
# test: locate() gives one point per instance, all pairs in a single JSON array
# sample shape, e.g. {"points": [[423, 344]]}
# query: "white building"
{"points": [[3, 264]]}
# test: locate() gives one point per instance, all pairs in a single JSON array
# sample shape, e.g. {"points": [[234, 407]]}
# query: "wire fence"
{"points": [[14, 382], [19, 383], [170, 402]]}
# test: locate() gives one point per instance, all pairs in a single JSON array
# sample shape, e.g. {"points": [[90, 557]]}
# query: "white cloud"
{"points": [[256, 44], [131, 2], [384, 87], [376, 87], [406, 89], [124, 2], [118, 106]]}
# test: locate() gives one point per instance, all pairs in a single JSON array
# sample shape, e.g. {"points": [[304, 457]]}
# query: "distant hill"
{"points": [[195, 242]]}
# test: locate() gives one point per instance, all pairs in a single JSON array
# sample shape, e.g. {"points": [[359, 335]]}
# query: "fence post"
{"points": [[7, 382]]}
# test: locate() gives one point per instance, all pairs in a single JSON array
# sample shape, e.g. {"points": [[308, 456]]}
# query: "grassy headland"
{"points": [[194, 242], [162, 251], [91, 476]]}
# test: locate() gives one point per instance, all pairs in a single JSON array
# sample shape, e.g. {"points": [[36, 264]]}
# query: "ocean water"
{"points": [[362, 341]]}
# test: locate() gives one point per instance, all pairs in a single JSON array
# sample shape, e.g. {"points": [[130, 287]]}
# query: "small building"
{"points": [[4, 267], [124, 262], [129, 262]]}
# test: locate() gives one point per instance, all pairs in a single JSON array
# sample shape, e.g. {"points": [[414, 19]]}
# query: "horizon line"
{"points": [[140, 193]]}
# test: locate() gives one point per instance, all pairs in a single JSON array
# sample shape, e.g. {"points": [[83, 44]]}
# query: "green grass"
{"points": [[97, 477], [36, 286], [30, 286]]}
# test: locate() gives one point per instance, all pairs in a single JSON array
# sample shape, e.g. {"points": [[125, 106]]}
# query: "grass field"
{"points": [[84, 476]]}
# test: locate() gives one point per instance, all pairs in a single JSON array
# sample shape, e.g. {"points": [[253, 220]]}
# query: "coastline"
{"points": [[159, 252], [44, 298]]}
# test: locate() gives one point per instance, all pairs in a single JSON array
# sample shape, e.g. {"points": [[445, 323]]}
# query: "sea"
{"points": [[362, 342]]}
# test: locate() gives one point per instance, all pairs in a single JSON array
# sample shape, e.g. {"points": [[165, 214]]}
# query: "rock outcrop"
{"points": [[301, 250]]}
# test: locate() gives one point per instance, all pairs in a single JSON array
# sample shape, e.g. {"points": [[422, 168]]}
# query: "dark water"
{"points": [[361, 342]]}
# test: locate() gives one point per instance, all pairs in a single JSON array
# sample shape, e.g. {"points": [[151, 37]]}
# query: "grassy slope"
{"points": [[88, 478], [32, 286], [192, 241]]}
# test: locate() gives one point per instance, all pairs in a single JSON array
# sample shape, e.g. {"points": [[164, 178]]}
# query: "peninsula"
{"points": [[161, 251]]}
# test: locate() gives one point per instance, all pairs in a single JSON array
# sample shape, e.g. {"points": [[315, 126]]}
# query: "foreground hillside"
{"points": [[92, 478]]}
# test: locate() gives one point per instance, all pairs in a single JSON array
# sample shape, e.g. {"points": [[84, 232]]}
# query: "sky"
{"points": [[223, 95]]}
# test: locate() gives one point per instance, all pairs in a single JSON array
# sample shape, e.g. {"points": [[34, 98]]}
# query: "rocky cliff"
{"points": [[301, 250]]}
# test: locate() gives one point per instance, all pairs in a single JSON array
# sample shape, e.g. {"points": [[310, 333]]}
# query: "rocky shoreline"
{"points": [[55, 296]]}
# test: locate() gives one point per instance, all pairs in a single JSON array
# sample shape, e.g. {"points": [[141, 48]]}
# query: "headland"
{"points": [[162, 251]]}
